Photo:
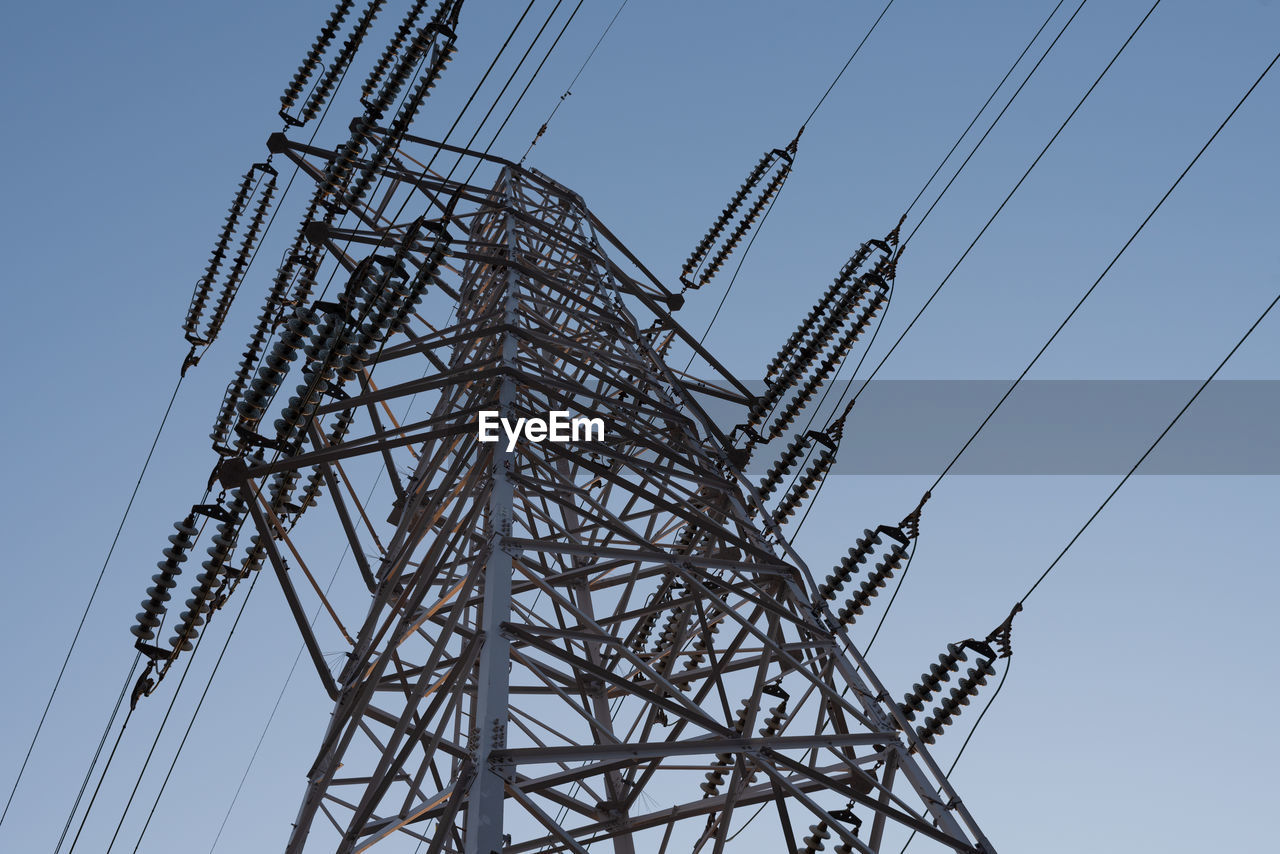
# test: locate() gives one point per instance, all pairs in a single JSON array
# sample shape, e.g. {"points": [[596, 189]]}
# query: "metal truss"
{"points": [[603, 642]]}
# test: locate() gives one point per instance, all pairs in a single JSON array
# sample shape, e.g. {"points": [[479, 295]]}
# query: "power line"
{"points": [[1081, 302], [1239, 343], [199, 704], [1002, 205], [998, 117], [532, 77], [106, 731], [1147, 453], [569, 89], [987, 103], [57, 683], [1103, 274], [510, 79], [847, 63], [1151, 448], [137, 485], [875, 333]]}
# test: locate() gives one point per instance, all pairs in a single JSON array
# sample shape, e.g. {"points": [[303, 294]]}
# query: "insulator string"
{"points": [[311, 60]]}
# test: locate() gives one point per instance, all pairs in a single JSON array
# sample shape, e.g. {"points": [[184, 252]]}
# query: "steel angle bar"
{"points": [[704, 806], [468, 376], [914, 822], [688, 709], [664, 559], [690, 747]]}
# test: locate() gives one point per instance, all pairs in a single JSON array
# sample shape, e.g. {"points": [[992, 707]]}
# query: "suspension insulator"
{"points": [[740, 720], [700, 251], [819, 311], [818, 834], [204, 287], [776, 390], [315, 480], [383, 298], [735, 237], [783, 466], [211, 577], [379, 70], [828, 315], [819, 337], [794, 368], [931, 681], [442, 55], [267, 320], [966, 689], [772, 724], [639, 637], [667, 639], [338, 172], [338, 67], [305, 282], [274, 367], [804, 485], [312, 59], [724, 761], [247, 246], [870, 588], [715, 776], [850, 563], [254, 557], [280, 491], [828, 365], [644, 628], [699, 648], [322, 353], [153, 607], [428, 273]]}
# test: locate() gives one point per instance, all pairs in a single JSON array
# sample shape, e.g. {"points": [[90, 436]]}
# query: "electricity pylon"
{"points": [[604, 640]]}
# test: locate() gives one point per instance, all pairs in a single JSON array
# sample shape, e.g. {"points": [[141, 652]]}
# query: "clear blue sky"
{"points": [[1136, 714]]}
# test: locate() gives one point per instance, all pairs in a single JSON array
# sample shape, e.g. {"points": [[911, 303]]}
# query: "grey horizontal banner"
{"points": [[1092, 427]]}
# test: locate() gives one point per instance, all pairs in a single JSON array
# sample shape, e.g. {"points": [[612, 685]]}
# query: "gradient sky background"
{"points": [[1138, 712]]}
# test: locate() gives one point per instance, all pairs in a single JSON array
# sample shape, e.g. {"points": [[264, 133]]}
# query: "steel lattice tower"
{"points": [[604, 641]]}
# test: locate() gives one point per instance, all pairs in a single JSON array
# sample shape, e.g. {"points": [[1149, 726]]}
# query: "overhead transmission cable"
{"points": [[119, 736], [525, 90], [1159, 438], [1005, 202], [155, 441], [129, 678], [1102, 506], [881, 319], [854, 399], [990, 98], [747, 249], [847, 63], [569, 89], [866, 351], [244, 601], [137, 485], [57, 683], [1088, 292], [106, 732], [995, 122]]}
